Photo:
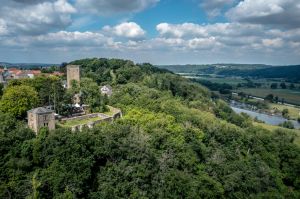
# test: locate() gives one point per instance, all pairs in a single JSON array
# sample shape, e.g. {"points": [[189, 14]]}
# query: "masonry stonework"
{"points": [[41, 117], [73, 73]]}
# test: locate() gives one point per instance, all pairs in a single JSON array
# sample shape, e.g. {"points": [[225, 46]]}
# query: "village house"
{"points": [[106, 90]]}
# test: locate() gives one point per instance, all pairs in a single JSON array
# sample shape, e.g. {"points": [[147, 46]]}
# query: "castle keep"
{"points": [[41, 117], [73, 73]]}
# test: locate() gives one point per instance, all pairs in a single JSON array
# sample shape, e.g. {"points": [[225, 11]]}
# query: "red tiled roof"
{"points": [[58, 73], [34, 72]]}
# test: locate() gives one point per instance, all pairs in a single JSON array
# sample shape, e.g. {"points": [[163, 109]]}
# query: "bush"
{"points": [[287, 124]]}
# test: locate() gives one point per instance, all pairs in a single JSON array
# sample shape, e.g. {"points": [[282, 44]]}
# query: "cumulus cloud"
{"points": [[188, 30], [282, 13], [129, 30], [104, 7], [3, 27], [36, 17], [213, 8], [180, 30], [273, 43], [227, 36], [61, 40]]}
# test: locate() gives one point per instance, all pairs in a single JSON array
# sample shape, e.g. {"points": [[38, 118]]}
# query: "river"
{"points": [[268, 119]]}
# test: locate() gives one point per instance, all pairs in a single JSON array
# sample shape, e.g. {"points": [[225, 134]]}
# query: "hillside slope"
{"points": [[174, 141]]}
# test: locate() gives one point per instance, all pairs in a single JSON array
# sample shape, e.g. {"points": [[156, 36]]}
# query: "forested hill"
{"points": [[287, 72], [243, 70], [174, 141]]}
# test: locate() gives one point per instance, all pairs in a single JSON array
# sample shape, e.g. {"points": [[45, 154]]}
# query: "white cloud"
{"points": [[3, 27], [273, 43], [181, 30], [283, 13], [214, 8], [36, 17], [203, 43], [109, 7], [129, 30]]}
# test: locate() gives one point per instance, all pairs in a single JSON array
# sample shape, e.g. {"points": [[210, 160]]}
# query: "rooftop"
{"points": [[40, 110]]}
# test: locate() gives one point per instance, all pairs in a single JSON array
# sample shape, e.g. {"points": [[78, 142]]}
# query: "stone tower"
{"points": [[73, 73], [41, 117]]}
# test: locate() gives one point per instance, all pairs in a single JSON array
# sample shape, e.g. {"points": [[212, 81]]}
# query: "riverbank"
{"points": [[274, 120]]}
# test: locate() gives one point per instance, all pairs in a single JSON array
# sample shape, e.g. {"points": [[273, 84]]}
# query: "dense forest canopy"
{"points": [[174, 141]]}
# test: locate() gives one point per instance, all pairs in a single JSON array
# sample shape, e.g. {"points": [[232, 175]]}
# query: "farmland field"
{"points": [[294, 112], [220, 80], [290, 96]]}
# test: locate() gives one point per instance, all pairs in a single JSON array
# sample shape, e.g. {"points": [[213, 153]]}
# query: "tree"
{"points": [[287, 124], [283, 85], [276, 99], [269, 98], [285, 113], [1, 90], [90, 95], [17, 100], [292, 86], [274, 86]]}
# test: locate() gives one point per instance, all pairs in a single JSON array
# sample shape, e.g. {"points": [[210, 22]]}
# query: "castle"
{"points": [[43, 117], [73, 73]]}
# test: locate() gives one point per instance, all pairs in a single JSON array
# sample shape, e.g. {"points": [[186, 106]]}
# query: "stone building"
{"points": [[41, 117], [106, 90], [73, 73]]}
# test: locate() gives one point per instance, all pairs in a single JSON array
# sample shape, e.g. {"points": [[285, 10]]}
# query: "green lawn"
{"points": [[294, 112], [76, 122], [290, 96], [111, 111], [220, 80]]}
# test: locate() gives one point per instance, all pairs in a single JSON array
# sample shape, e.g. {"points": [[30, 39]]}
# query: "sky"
{"points": [[155, 31]]}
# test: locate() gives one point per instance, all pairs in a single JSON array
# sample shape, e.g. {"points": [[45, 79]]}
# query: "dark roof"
{"points": [[41, 110]]}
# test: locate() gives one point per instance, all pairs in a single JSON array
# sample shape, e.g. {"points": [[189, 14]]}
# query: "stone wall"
{"points": [[102, 118]]}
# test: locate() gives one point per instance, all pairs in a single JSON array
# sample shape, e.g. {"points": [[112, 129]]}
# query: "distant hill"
{"points": [[242, 70], [288, 72], [211, 68], [26, 65]]}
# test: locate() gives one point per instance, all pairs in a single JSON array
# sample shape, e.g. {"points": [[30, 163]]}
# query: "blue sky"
{"points": [[156, 31]]}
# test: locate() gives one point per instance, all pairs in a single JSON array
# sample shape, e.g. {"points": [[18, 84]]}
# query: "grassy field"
{"points": [[290, 96], [71, 123], [294, 112], [272, 128], [220, 80], [111, 111]]}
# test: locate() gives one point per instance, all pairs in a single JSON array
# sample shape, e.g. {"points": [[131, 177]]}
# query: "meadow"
{"points": [[289, 96]]}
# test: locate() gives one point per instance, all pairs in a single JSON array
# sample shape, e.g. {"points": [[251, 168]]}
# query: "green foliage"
{"points": [[50, 90], [285, 113], [1, 90], [173, 142], [17, 100], [287, 124], [90, 95]]}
